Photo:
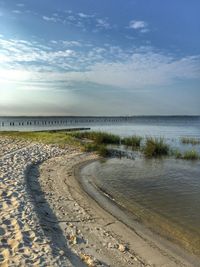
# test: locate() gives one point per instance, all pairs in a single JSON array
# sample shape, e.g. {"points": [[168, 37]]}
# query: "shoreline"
{"points": [[47, 219], [152, 221], [154, 239]]}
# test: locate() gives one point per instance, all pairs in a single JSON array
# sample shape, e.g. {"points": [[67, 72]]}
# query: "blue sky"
{"points": [[103, 57]]}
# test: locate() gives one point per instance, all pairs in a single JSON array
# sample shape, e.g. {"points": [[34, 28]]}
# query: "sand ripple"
{"points": [[22, 240]]}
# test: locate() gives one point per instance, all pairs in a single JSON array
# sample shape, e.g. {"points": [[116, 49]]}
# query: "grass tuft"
{"points": [[133, 141], [100, 149], [176, 153], [98, 137], [187, 155], [190, 140], [190, 155], [155, 147]]}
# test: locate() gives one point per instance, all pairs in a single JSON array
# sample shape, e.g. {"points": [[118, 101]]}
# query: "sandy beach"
{"points": [[47, 219]]}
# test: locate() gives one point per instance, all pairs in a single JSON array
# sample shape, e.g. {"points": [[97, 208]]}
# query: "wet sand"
{"points": [[47, 219]]}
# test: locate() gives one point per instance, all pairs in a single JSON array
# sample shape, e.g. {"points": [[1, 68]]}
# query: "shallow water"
{"points": [[164, 194], [172, 129]]}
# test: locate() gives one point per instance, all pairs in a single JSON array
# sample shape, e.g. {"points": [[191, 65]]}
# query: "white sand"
{"points": [[47, 220], [22, 240]]}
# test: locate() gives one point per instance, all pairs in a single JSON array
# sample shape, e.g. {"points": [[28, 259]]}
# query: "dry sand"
{"points": [[46, 219]]}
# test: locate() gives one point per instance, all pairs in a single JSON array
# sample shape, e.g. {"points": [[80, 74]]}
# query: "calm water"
{"points": [[171, 128], [164, 194]]}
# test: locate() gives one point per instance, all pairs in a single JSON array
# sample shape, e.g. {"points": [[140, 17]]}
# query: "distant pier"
{"points": [[55, 123]]}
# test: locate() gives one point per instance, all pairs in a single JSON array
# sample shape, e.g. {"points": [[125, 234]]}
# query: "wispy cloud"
{"points": [[30, 62], [52, 19], [139, 25], [103, 23], [144, 70], [75, 19], [71, 43], [85, 16], [16, 11]]}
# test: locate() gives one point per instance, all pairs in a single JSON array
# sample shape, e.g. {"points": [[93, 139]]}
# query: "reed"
{"points": [[100, 149], [133, 141], [190, 140], [176, 153], [155, 147], [98, 137], [191, 155], [187, 155]]}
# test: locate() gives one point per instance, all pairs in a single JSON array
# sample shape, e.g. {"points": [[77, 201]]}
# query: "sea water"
{"points": [[164, 194]]}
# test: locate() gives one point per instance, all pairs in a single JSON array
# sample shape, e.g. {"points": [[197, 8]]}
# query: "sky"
{"points": [[102, 57]]}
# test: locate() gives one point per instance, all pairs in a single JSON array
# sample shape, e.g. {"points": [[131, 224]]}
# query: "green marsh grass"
{"points": [[97, 141], [48, 137], [155, 147], [191, 155], [133, 141], [98, 137], [187, 155], [190, 140]]}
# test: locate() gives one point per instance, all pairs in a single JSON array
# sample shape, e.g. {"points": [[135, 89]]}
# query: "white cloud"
{"points": [[138, 25], [80, 20], [53, 19], [103, 23], [85, 16], [60, 54], [16, 11], [54, 42], [141, 71], [71, 18], [22, 61], [19, 52], [71, 43]]}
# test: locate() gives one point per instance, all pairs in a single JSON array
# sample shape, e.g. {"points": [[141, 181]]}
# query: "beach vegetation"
{"points": [[97, 137], [103, 151], [176, 153], [190, 140], [155, 147], [90, 147], [191, 155], [100, 149], [98, 141], [59, 138], [133, 141], [187, 155]]}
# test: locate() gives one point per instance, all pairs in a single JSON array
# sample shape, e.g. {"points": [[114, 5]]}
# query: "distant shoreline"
{"points": [[98, 116]]}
